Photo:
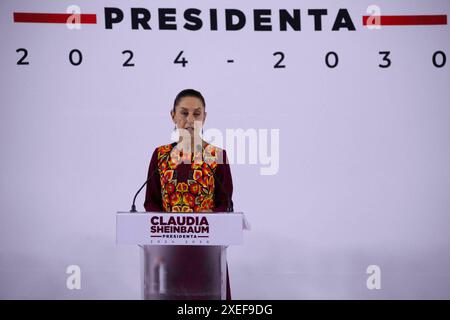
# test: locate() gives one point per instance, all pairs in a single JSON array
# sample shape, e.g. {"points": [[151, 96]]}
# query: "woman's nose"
{"points": [[190, 118]]}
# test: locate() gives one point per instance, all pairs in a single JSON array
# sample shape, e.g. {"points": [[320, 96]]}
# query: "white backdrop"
{"points": [[364, 154]]}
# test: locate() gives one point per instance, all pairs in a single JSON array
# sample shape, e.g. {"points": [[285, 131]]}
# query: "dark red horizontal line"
{"points": [[32, 17], [411, 20]]}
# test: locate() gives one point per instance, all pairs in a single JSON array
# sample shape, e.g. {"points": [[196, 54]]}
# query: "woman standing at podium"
{"points": [[190, 175]]}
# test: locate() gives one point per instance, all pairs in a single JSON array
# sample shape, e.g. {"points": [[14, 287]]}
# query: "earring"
{"points": [[174, 136], [202, 132]]}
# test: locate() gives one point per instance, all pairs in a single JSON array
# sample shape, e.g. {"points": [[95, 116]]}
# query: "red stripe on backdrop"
{"points": [[31, 17], [414, 20]]}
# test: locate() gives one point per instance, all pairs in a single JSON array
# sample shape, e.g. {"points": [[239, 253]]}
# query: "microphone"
{"points": [[229, 200], [133, 206]]}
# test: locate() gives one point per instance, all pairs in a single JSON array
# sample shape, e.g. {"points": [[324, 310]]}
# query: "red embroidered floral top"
{"points": [[185, 183]]}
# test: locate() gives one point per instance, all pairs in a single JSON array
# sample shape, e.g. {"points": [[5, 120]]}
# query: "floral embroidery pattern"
{"points": [[197, 193]]}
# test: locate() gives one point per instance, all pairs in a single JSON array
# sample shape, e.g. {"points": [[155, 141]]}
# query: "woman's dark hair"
{"points": [[188, 93]]}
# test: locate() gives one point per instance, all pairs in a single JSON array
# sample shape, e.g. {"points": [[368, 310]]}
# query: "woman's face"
{"points": [[189, 115]]}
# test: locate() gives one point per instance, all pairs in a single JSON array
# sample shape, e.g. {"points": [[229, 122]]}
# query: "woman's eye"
{"points": [[196, 114], [184, 113]]}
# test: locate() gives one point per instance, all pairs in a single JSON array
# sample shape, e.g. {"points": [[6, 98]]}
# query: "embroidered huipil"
{"points": [[179, 185]]}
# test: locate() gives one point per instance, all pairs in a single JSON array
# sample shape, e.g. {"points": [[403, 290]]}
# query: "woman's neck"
{"points": [[193, 145]]}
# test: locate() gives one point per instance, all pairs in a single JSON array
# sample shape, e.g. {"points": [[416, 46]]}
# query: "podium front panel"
{"points": [[171, 229], [183, 272]]}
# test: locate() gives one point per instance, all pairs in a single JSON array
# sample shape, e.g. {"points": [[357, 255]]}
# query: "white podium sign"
{"points": [[162, 228]]}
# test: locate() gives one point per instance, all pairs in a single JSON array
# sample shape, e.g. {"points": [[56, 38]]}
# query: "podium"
{"points": [[183, 255]]}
